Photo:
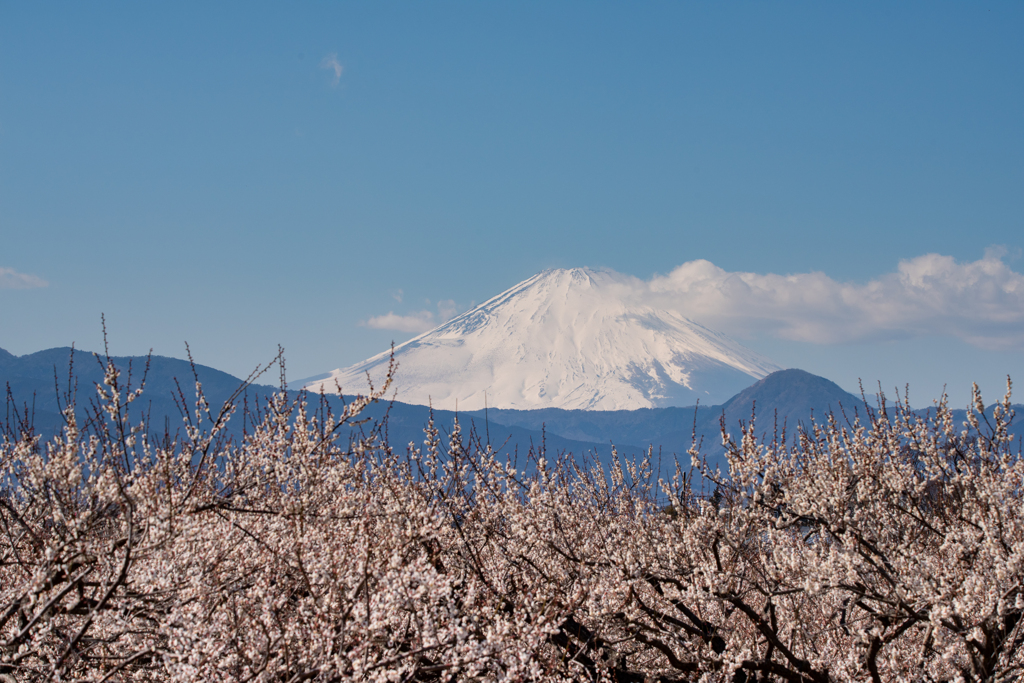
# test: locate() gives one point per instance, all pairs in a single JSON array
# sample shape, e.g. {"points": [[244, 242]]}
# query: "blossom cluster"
{"points": [[885, 547]]}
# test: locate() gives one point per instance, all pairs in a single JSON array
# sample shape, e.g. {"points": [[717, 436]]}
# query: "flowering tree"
{"points": [[884, 548]]}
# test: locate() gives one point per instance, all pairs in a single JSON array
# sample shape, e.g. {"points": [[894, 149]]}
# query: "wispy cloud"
{"points": [[331, 63], [12, 279], [416, 323], [981, 302]]}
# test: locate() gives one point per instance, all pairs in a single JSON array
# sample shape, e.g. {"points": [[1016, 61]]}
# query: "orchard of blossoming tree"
{"points": [[879, 546]]}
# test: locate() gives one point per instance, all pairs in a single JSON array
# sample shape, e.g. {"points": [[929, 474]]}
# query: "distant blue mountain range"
{"points": [[781, 401]]}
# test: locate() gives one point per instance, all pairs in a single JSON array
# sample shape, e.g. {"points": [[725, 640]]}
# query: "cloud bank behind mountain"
{"points": [[980, 302]]}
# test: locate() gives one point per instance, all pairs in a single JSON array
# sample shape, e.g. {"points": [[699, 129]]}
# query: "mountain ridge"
{"points": [[794, 394]]}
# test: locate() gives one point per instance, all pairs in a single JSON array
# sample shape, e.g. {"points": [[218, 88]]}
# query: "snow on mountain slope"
{"points": [[567, 339]]}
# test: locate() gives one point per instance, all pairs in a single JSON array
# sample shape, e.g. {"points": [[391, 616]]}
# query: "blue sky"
{"points": [[243, 175]]}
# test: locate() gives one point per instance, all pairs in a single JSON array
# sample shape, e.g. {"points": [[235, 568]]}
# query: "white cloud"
{"points": [[331, 63], [417, 322], [12, 279], [981, 302]]}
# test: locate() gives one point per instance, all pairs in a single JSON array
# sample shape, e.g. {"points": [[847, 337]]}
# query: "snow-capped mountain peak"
{"points": [[566, 338]]}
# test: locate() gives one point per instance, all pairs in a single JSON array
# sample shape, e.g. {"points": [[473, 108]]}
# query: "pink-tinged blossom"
{"points": [[888, 547]]}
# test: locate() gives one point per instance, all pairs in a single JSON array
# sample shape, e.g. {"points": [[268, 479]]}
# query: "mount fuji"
{"points": [[567, 338]]}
